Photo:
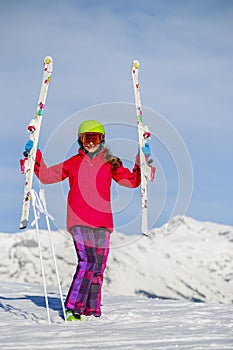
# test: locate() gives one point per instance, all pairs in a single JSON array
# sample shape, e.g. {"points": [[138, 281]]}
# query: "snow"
{"points": [[149, 289], [127, 323]]}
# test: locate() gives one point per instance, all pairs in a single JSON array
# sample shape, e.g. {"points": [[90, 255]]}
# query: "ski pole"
{"points": [[40, 253], [43, 201]]}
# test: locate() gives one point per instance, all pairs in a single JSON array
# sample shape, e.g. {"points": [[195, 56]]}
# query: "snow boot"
{"points": [[73, 315]]}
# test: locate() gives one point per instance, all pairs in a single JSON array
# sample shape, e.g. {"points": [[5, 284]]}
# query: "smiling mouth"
{"points": [[91, 147]]}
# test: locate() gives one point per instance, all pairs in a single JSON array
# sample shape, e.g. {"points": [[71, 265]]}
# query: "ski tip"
{"points": [[48, 60], [136, 64], [23, 224]]}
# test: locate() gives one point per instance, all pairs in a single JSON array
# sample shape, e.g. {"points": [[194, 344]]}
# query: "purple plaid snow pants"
{"points": [[92, 247]]}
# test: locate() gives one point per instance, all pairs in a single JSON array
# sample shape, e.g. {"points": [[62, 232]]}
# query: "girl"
{"points": [[89, 214]]}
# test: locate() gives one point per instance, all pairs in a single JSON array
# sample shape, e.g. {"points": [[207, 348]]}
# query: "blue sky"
{"points": [[185, 49]]}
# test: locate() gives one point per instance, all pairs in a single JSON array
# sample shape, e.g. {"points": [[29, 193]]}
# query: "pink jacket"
{"points": [[90, 181]]}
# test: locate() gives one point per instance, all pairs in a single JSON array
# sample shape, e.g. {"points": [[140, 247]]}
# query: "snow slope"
{"points": [[127, 323], [185, 260]]}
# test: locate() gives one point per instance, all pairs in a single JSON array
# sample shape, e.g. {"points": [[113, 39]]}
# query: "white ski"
{"points": [[27, 164], [147, 170]]}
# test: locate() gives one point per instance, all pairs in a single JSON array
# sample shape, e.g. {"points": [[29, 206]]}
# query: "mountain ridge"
{"points": [[184, 259]]}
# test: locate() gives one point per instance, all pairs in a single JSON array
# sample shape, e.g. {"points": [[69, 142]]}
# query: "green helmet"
{"points": [[91, 126]]}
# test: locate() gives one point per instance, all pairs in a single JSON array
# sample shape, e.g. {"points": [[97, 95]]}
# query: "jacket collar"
{"points": [[83, 154]]}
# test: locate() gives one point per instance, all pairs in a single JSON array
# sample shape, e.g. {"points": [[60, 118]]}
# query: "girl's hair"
{"points": [[113, 160]]}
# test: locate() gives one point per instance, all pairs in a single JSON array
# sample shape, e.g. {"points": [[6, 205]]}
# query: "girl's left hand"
{"points": [[146, 150]]}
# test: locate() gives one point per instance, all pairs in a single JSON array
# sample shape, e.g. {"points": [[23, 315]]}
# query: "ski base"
{"points": [[27, 164], [147, 170]]}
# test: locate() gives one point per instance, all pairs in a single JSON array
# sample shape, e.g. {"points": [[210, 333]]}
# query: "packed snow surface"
{"points": [[127, 323]]}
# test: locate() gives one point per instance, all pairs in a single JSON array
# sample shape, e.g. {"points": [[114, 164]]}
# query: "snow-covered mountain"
{"points": [[186, 259]]}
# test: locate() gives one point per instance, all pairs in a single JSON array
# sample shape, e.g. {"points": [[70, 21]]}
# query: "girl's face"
{"points": [[91, 141]]}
